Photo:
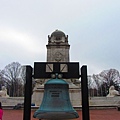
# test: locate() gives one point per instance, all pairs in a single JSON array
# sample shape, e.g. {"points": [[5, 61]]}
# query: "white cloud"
{"points": [[19, 46], [15, 38]]}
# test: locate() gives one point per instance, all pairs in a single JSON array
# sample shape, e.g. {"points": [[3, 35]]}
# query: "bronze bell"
{"points": [[56, 102]]}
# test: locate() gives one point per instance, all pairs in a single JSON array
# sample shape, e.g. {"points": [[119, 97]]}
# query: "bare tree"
{"points": [[105, 79], [11, 75], [97, 80], [23, 76], [111, 76], [23, 73], [1, 80]]}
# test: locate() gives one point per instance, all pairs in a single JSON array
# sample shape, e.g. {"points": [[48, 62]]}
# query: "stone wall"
{"points": [[11, 101], [93, 101], [104, 101]]}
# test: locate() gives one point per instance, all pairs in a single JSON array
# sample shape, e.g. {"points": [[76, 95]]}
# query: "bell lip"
{"points": [[56, 115]]}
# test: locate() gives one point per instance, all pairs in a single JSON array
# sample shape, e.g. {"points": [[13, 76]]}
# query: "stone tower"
{"points": [[58, 47], [58, 51]]}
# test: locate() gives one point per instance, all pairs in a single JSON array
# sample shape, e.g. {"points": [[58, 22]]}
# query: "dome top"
{"points": [[58, 33]]}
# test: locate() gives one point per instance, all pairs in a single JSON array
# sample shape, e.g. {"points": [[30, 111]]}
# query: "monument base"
{"points": [[74, 93], [11, 101], [104, 101], [94, 102]]}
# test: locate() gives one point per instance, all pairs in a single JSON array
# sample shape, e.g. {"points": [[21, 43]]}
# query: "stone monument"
{"points": [[3, 92], [113, 92], [58, 51]]}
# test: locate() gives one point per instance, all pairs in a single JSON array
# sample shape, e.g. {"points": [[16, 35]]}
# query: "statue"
{"points": [[3, 92], [113, 92]]}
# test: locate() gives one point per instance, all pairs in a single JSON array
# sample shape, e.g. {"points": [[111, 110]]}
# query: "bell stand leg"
{"points": [[84, 89], [28, 92]]}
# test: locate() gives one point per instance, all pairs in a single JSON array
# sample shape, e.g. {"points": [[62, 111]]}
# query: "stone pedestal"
{"points": [[74, 93], [104, 101], [75, 97], [38, 96], [11, 101]]}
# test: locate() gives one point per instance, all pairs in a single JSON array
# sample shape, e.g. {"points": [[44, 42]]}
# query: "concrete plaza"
{"points": [[96, 114]]}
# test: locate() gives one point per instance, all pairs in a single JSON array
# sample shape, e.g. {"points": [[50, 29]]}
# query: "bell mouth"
{"points": [[56, 115]]}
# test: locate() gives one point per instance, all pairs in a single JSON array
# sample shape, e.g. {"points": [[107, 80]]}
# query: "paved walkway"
{"points": [[106, 114]]}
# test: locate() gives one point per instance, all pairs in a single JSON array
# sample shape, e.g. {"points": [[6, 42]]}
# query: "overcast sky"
{"points": [[92, 26]]}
